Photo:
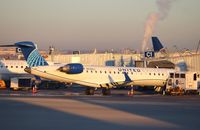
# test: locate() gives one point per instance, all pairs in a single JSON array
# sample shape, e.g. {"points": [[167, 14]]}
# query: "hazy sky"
{"points": [[101, 24]]}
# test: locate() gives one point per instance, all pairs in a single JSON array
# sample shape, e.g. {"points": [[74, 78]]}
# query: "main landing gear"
{"points": [[106, 91], [89, 91]]}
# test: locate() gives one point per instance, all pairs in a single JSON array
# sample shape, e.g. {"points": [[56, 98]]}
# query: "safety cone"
{"points": [[34, 90], [130, 93]]}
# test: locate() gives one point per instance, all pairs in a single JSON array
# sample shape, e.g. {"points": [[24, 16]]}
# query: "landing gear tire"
{"points": [[89, 91], [106, 91]]}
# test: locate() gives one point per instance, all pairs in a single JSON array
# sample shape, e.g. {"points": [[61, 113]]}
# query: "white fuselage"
{"points": [[12, 68], [106, 76]]}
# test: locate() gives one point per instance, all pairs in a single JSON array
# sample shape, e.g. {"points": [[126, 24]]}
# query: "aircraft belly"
{"points": [[68, 78], [149, 82], [95, 80]]}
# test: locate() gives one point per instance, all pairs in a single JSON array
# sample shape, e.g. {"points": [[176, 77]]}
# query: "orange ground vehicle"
{"points": [[2, 84]]}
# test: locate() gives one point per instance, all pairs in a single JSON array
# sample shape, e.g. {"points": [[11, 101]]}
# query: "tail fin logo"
{"points": [[31, 54], [35, 59]]}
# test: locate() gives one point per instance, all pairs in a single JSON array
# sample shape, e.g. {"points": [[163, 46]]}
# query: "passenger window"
{"points": [[16, 66], [6, 66], [105, 72], [21, 66], [11, 67], [149, 73]]}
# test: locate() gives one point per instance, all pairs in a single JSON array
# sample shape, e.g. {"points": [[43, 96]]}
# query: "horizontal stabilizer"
{"points": [[7, 46]]}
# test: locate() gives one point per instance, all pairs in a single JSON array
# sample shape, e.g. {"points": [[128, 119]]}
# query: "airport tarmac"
{"points": [[58, 109]]}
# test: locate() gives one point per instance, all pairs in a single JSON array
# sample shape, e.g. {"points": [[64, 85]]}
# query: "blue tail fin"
{"points": [[157, 45], [31, 54]]}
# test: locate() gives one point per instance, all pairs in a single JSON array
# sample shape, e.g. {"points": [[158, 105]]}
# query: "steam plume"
{"points": [[163, 10]]}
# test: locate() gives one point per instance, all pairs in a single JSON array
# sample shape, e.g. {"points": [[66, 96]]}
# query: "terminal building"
{"points": [[179, 61], [184, 61]]}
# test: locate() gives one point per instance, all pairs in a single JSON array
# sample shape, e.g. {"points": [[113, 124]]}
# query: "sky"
{"points": [[100, 24]]}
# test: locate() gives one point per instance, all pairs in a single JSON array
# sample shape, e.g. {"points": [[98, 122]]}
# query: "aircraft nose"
{"points": [[28, 70]]}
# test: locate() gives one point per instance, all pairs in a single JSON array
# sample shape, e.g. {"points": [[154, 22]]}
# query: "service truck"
{"points": [[180, 83], [20, 83]]}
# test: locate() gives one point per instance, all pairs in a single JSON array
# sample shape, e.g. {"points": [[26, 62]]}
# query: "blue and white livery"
{"points": [[90, 76], [31, 54]]}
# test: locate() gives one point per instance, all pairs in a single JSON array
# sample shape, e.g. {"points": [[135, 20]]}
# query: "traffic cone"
{"points": [[130, 93], [34, 90]]}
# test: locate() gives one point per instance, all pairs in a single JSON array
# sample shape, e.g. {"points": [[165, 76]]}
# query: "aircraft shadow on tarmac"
{"points": [[81, 113], [182, 111], [24, 116]]}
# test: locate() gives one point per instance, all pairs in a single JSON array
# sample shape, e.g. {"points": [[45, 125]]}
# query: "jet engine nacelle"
{"points": [[73, 68]]}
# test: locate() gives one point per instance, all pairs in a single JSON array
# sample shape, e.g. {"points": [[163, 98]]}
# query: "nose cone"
{"points": [[28, 70]]}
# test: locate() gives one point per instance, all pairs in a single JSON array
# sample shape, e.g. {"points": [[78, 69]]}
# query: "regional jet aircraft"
{"points": [[90, 76]]}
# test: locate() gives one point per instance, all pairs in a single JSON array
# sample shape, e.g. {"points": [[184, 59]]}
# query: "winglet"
{"points": [[127, 78]]}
